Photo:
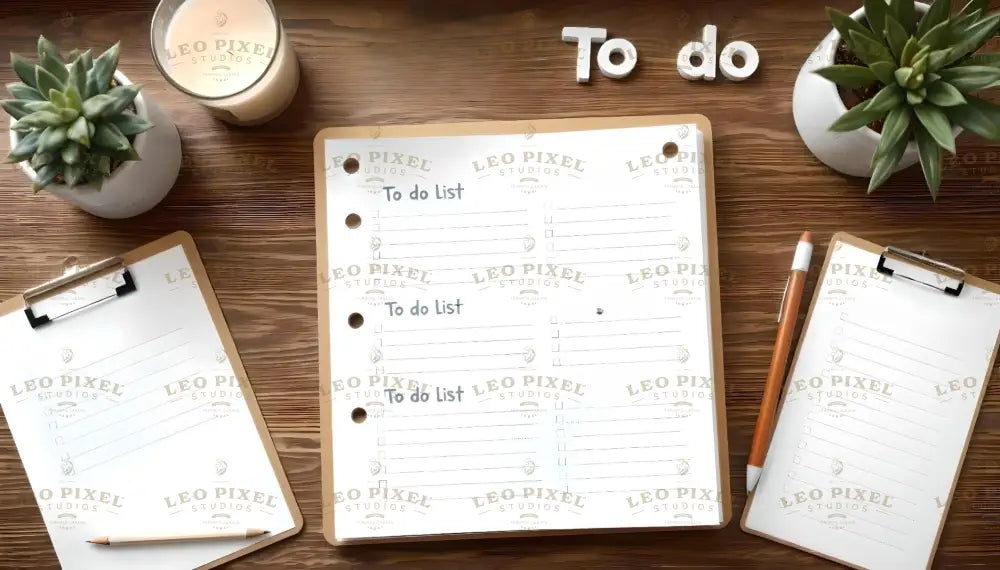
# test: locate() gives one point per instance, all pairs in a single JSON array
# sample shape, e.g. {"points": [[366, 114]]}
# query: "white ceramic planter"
{"points": [[816, 105], [135, 186]]}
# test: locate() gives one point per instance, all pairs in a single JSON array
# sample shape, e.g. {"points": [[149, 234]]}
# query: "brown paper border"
{"points": [[874, 248], [208, 294], [511, 128]]}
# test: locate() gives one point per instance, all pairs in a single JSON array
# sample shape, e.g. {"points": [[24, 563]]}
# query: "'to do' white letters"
{"points": [[705, 51]]}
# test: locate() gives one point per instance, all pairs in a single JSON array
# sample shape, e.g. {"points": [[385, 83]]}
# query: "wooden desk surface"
{"points": [[247, 197]]}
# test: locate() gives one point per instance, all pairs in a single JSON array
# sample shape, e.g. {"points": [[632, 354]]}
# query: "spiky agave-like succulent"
{"points": [[74, 122], [928, 69]]}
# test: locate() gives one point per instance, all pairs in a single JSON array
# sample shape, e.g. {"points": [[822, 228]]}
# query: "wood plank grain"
{"points": [[246, 196]]}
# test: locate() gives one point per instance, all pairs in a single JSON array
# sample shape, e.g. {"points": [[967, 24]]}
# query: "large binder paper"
{"points": [[519, 329]]}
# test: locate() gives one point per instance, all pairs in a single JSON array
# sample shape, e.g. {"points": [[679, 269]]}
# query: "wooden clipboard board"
{"points": [[510, 128], [185, 240], [876, 249]]}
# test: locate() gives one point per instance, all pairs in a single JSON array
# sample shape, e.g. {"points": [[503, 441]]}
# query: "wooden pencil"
{"points": [[120, 540]]}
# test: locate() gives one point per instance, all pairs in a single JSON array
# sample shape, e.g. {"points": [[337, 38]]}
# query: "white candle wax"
{"points": [[217, 51]]}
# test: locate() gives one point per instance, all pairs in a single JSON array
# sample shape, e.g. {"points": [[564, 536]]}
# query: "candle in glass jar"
{"points": [[230, 55]]}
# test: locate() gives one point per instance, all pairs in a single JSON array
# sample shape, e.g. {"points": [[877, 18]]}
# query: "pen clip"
{"points": [[781, 307]]}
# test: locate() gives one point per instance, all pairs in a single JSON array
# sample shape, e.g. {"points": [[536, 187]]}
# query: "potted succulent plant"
{"points": [[79, 128], [906, 73]]}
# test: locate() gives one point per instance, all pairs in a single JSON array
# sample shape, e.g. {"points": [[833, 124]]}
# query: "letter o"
{"points": [[750, 61], [617, 70]]}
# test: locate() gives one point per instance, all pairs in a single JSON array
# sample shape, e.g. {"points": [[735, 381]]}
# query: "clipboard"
{"points": [[109, 282], [921, 273], [330, 225]]}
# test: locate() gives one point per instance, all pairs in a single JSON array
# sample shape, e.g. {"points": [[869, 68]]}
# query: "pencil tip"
{"points": [[101, 540], [806, 237], [753, 475], [252, 532]]}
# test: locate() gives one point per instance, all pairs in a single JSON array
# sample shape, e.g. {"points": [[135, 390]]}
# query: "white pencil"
{"points": [[116, 540]]}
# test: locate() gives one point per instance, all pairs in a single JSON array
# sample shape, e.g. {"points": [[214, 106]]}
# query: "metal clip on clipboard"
{"points": [[936, 268], [56, 286]]}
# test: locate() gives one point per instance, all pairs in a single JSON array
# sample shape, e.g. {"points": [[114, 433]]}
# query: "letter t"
{"points": [[584, 37]]}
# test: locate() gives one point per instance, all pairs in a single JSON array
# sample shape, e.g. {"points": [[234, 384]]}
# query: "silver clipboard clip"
{"points": [[925, 263], [58, 285]]}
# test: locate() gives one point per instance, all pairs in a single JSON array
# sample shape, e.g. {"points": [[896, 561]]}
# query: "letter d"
{"points": [[705, 50]]}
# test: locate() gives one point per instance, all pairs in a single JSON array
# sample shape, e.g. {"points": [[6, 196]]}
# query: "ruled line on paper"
{"points": [[157, 440], [879, 426], [144, 428], [142, 360], [619, 348], [409, 429], [617, 334], [450, 442], [899, 338], [475, 327], [478, 468], [845, 529], [882, 364], [906, 357], [851, 481], [858, 435], [851, 464], [627, 320], [440, 414], [631, 461], [597, 220], [451, 241], [488, 453], [605, 262], [123, 402], [637, 476], [441, 228], [453, 484], [524, 339], [435, 214], [595, 248], [628, 233], [129, 349], [562, 364], [602, 206], [842, 446], [876, 474], [489, 355], [897, 385], [494, 368], [624, 434], [890, 414], [626, 447], [478, 253], [118, 421]]}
